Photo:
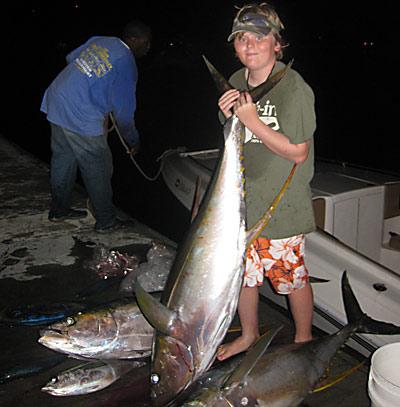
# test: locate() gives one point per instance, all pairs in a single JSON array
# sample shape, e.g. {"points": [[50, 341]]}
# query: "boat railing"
{"points": [[210, 153]]}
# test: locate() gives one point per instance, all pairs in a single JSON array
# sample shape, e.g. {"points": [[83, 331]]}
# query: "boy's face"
{"points": [[256, 51]]}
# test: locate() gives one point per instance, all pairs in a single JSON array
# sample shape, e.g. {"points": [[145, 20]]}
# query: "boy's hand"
{"points": [[245, 109], [227, 101]]}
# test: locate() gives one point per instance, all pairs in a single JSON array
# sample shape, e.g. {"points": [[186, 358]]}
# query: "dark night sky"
{"points": [[347, 52]]}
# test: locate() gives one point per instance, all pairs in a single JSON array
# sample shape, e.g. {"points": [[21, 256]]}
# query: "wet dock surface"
{"points": [[45, 263]]}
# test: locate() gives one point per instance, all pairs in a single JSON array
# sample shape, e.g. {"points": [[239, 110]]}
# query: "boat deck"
{"points": [[44, 263]]}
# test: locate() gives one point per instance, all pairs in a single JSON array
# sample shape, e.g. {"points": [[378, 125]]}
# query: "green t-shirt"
{"points": [[289, 109]]}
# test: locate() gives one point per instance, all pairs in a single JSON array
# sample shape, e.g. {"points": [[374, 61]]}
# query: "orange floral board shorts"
{"points": [[281, 260]]}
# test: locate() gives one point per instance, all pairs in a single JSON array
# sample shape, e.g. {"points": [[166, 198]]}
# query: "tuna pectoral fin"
{"points": [[251, 358], [255, 231], [355, 314], [158, 315]]}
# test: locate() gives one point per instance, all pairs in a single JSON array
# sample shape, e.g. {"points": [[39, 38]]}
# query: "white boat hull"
{"points": [[327, 258]]}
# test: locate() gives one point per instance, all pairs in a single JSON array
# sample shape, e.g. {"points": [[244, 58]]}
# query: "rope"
{"points": [[131, 151], [338, 378]]}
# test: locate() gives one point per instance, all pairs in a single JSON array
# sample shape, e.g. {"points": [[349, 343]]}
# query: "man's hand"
{"points": [[133, 150]]}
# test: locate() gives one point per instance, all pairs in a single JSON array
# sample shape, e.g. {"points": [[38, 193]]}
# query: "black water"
{"points": [[347, 57]]}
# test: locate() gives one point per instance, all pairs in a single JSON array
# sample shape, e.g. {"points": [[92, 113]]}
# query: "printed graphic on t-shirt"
{"points": [[94, 60], [268, 115]]}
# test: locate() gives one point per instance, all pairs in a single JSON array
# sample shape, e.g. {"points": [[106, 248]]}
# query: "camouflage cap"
{"points": [[251, 22]]}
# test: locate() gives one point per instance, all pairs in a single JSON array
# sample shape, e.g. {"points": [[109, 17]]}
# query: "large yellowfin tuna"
{"points": [[283, 375], [203, 287]]}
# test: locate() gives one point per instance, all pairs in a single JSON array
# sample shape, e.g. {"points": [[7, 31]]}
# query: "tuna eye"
{"points": [[54, 380], [70, 321], [154, 378]]}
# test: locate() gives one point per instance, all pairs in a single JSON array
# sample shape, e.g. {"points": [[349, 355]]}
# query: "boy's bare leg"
{"points": [[248, 314], [301, 306]]}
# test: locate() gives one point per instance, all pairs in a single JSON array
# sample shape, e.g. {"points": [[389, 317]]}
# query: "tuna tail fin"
{"points": [[222, 84], [256, 93], [251, 358], [354, 313], [158, 315]]}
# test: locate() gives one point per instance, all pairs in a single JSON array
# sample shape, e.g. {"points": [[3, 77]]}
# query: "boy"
{"points": [[279, 131]]}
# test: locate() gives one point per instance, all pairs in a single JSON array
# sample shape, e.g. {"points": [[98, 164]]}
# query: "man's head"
{"points": [[137, 36], [259, 19]]}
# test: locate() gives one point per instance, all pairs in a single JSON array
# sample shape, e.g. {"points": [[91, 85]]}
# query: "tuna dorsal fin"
{"points": [[222, 84], [259, 91], [158, 315], [251, 358], [354, 313]]}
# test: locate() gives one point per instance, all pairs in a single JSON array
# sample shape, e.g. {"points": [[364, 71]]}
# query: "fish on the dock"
{"points": [[115, 331], [30, 367], [89, 377], [132, 389], [283, 375], [203, 287], [38, 314]]}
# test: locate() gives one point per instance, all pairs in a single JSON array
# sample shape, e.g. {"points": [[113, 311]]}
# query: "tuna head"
{"points": [[172, 358], [82, 334], [117, 331], [183, 347], [89, 377], [81, 379], [172, 369]]}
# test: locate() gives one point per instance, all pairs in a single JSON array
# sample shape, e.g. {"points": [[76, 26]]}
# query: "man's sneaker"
{"points": [[71, 214], [119, 224]]}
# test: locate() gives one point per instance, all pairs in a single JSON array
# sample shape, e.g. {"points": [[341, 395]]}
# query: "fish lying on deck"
{"points": [[30, 367], [38, 314], [284, 375], [203, 287], [89, 377], [114, 331]]}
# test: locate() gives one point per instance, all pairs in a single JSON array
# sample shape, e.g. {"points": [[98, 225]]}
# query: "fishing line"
{"points": [[130, 153]]}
